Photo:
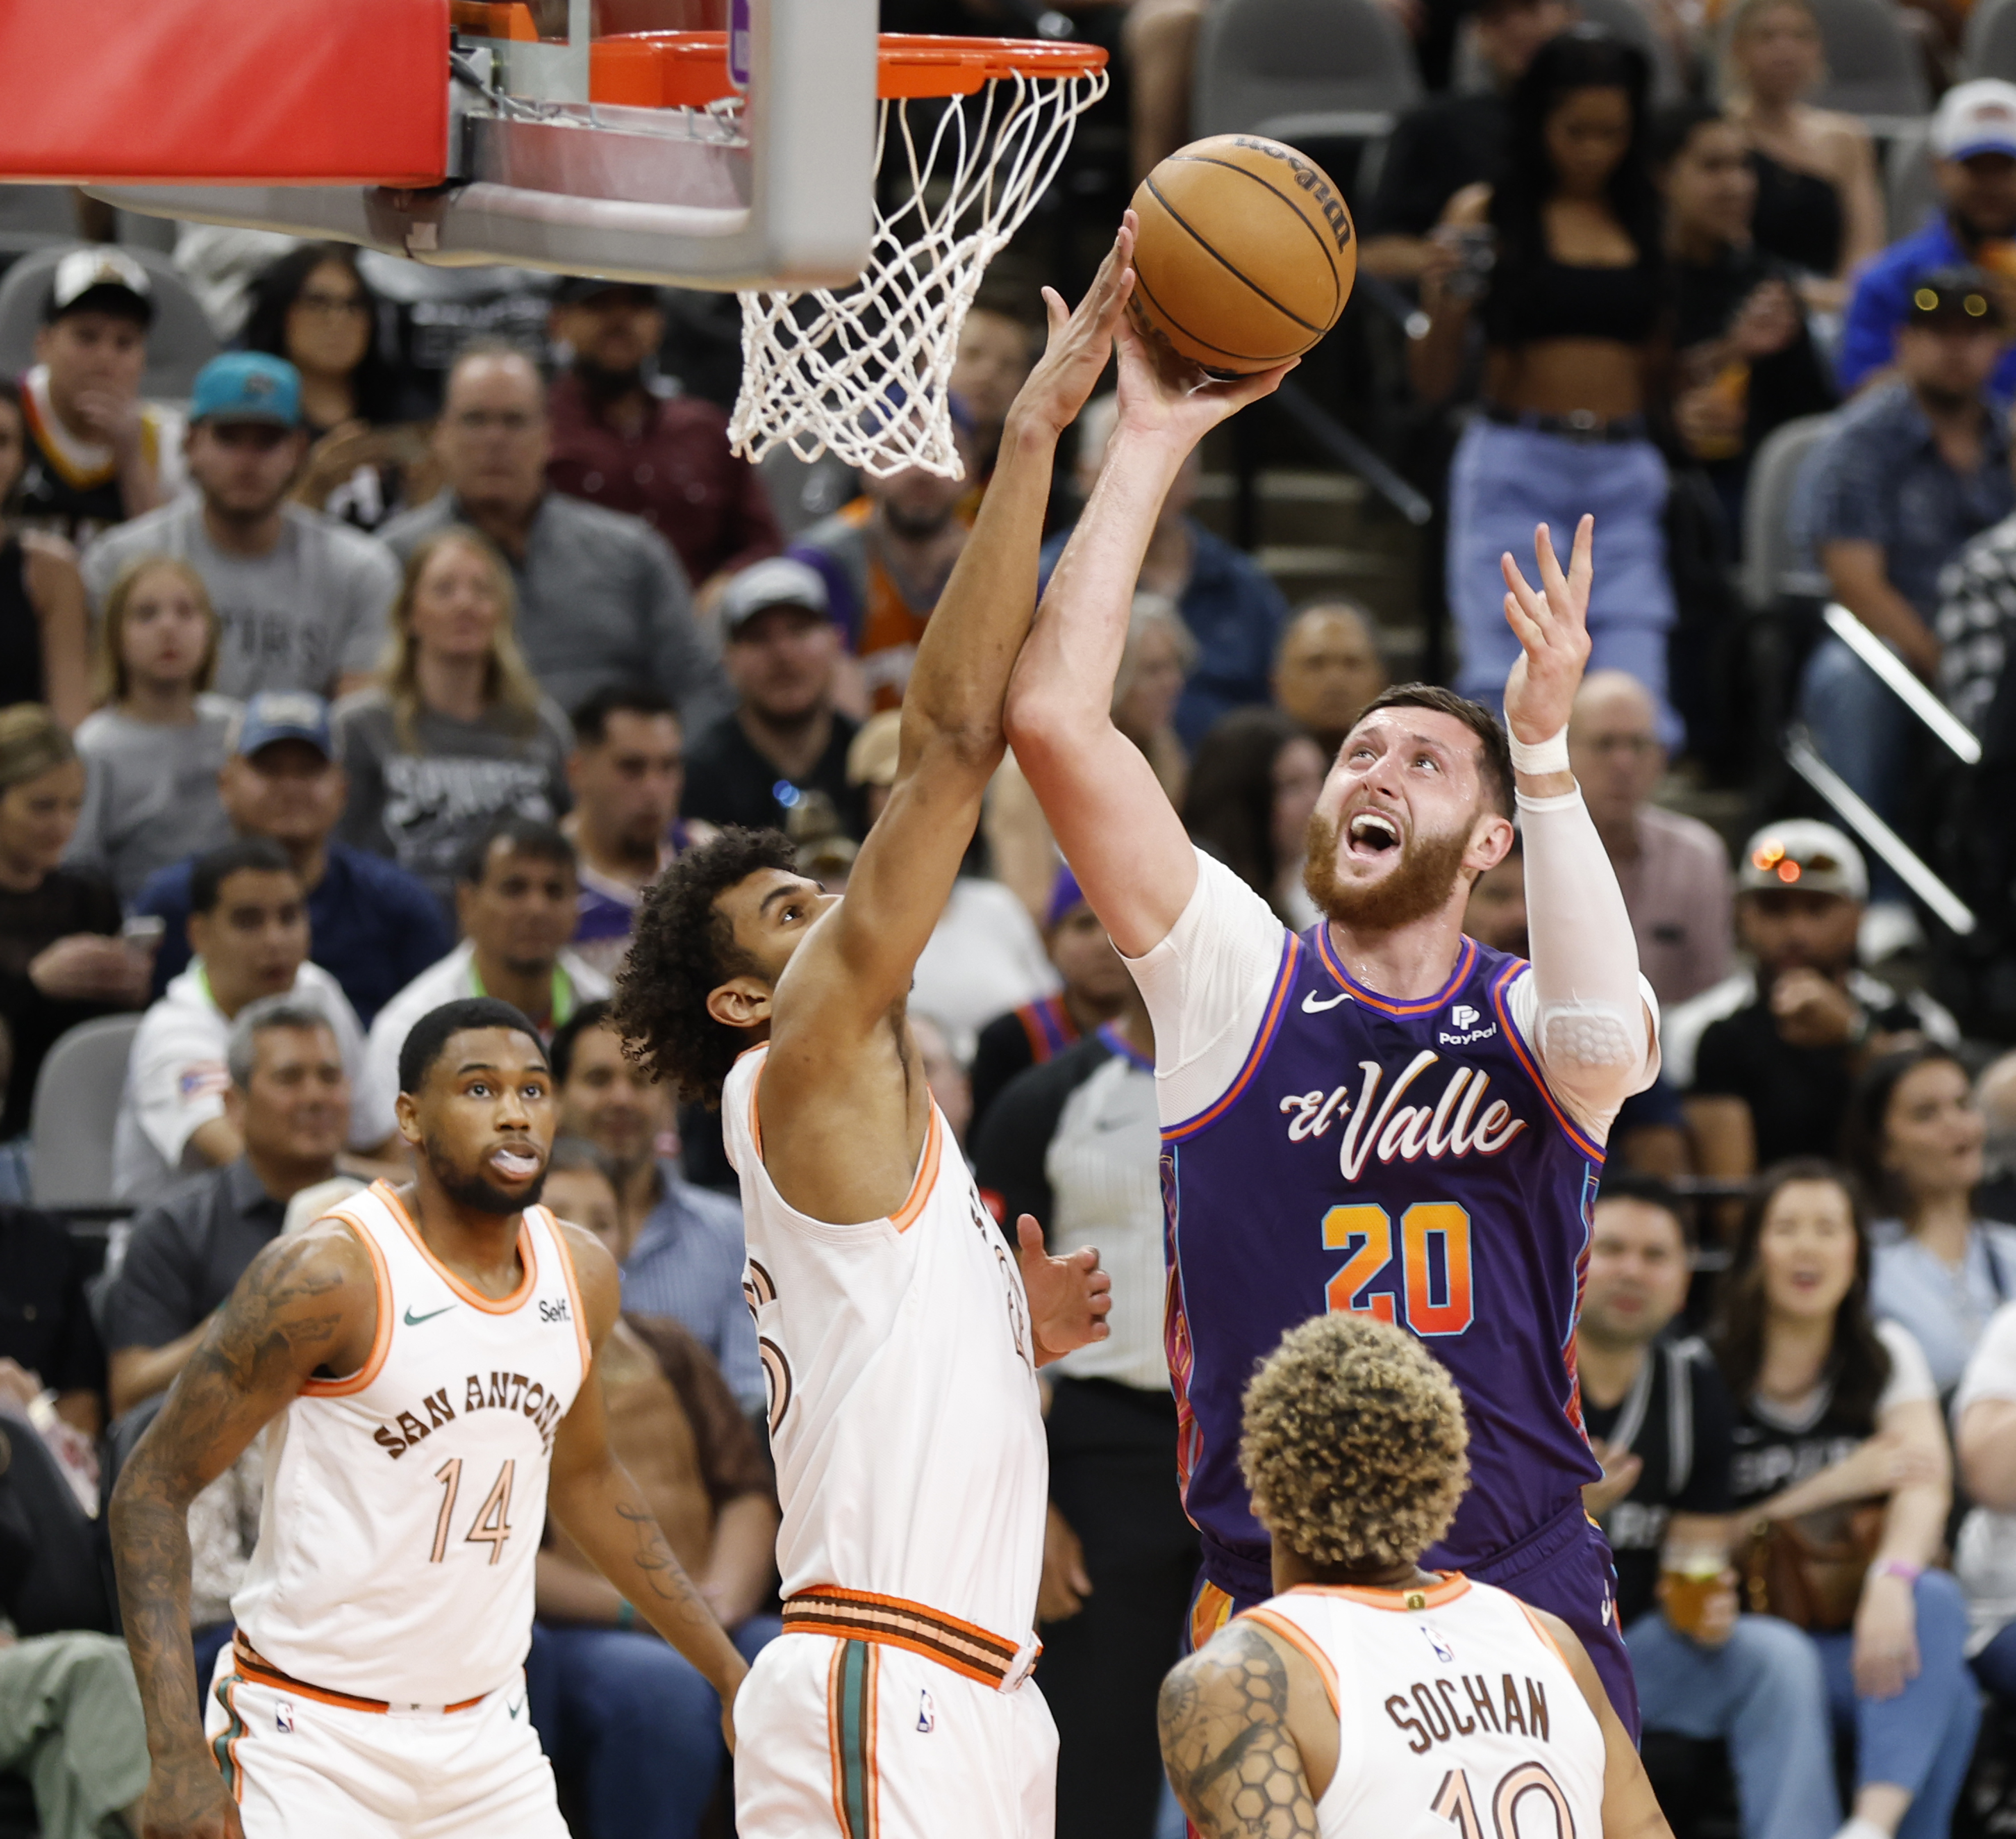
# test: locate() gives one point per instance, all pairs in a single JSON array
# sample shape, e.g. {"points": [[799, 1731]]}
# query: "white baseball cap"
{"points": [[1803, 852], [98, 265], [1976, 117]]}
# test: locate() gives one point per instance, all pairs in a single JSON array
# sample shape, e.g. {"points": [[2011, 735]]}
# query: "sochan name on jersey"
{"points": [[1436, 1712], [507, 1391], [1451, 1126]]}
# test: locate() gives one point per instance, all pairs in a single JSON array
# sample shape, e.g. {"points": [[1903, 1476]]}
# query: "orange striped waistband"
{"points": [[252, 1665], [861, 1615]]}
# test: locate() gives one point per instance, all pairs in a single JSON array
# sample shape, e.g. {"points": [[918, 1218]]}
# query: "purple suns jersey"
{"points": [[1402, 1158]]}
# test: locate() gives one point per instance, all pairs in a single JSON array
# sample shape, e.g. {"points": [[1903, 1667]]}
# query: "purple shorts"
{"points": [[1564, 1568]]}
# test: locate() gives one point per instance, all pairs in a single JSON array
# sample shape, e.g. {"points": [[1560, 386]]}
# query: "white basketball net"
{"points": [[864, 373]]}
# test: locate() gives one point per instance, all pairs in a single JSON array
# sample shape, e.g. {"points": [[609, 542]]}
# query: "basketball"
{"points": [[1245, 254]]}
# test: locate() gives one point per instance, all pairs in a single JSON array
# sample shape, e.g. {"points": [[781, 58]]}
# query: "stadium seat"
{"points": [[1910, 193], [1988, 48], [1302, 69], [179, 344], [1771, 568], [1872, 63], [76, 1099], [1622, 19]]}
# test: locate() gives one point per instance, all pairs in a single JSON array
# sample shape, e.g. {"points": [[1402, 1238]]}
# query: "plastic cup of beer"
{"points": [[1690, 1579]]}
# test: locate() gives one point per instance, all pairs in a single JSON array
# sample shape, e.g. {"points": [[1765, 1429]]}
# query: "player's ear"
{"points": [[741, 1002], [406, 1109], [1490, 841]]}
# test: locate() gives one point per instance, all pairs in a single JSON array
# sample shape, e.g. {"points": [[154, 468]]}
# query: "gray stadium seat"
{"points": [[32, 217], [76, 1099], [1875, 69], [1771, 567], [1987, 49], [1301, 70], [1911, 194], [180, 344], [1622, 18]]}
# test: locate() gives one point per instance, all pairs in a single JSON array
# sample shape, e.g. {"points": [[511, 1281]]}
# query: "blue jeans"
{"points": [[1503, 482], [1764, 1694], [1922, 1740], [630, 1720]]}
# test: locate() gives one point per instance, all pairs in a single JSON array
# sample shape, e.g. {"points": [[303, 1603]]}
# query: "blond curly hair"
{"points": [[1354, 1444]]}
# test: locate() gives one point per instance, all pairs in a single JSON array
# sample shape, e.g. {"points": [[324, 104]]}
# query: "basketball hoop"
{"points": [[864, 372]]}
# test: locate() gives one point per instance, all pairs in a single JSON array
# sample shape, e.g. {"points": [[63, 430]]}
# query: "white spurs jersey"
{"points": [[905, 1415], [404, 1504], [1457, 1717]]}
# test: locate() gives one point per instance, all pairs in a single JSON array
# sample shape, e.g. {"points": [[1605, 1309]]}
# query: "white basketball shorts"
{"points": [[858, 1740], [302, 1768]]}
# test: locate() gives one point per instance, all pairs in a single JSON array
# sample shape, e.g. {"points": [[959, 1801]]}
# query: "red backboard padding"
{"points": [[219, 92]]}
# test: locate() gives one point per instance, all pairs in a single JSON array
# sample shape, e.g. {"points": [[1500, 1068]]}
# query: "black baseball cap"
{"points": [[1958, 293]]}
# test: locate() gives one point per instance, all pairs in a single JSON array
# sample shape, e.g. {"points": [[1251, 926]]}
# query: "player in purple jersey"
{"points": [[1380, 1115]]}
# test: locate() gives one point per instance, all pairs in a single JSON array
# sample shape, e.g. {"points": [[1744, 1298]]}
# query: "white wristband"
{"points": [[1550, 755]]}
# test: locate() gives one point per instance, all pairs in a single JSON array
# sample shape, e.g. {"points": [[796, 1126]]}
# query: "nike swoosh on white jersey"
{"points": [[1313, 1004]]}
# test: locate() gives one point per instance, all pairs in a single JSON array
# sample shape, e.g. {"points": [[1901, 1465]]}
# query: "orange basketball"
{"points": [[1245, 254]]}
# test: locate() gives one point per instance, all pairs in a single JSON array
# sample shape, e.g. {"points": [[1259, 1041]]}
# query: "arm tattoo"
{"points": [[1226, 1742], [661, 1573], [287, 1315]]}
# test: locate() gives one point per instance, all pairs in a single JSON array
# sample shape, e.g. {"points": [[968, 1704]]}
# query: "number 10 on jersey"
{"points": [[1434, 1258]]}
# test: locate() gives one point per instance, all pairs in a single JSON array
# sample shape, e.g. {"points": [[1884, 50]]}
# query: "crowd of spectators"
{"points": [[394, 665]]}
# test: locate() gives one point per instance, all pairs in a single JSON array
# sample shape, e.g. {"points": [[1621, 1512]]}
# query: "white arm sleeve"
{"points": [[1595, 1021]]}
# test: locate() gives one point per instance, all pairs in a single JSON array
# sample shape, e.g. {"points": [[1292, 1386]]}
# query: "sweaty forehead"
{"points": [[1397, 725]]}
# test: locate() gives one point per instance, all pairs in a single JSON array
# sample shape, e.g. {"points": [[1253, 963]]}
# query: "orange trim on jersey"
{"points": [[1546, 1634], [905, 1216], [1466, 962], [1301, 1639], [574, 1289], [1501, 1000], [755, 1122], [1284, 981], [1400, 1598], [832, 1690], [1210, 1613], [381, 1338], [862, 1615], [248, 1665], [527, 1256]]}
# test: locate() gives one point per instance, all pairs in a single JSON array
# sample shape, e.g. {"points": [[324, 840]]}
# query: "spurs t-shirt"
{"points": [[1676, 1419]]}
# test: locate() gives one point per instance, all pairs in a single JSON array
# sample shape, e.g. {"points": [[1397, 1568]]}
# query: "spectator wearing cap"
{"points": [[1910, 471], [97, 454], [372, 927], [628, 774], [630, 442], [516, 898], [62, 960], [785, 738], [1770, 1056], [1673, 868], [1973, 143], [248, 926], [885, 559], [601, 597], [1234, 610], [1095, 986], [1328, 668], [301, 597], [455, 730]]}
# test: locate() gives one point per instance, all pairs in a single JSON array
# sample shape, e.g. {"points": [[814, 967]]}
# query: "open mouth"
{"points": [[1372, 834], [515, 1164]]}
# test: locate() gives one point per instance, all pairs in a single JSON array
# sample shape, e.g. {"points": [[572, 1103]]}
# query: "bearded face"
{"points": [[1419, 883]]}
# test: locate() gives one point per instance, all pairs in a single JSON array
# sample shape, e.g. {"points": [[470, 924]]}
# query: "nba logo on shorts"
{"points": [[1444, 1653], [927, 1718], [283, 1717]]}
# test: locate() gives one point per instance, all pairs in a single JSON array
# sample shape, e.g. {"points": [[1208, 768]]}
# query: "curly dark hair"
{"points": [[682, 950]]}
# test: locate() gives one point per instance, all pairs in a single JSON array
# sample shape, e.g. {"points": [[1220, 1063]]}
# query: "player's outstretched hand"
{"points": [[1552, 626], [1166, 396], [1068, 1296], [188, 1800], [1075, 355]]}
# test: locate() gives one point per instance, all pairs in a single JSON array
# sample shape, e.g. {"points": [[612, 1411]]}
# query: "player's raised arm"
{"points": [[1595, 1035], [1110, 816], [863, 958], [1228, 1718], [595, 1502], [307, 1303]]}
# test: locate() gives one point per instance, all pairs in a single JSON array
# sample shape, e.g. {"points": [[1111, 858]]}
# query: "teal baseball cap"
{"points": [[247, 386]]}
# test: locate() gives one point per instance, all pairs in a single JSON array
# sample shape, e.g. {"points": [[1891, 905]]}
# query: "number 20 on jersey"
{"points": [[1432, 1253]]}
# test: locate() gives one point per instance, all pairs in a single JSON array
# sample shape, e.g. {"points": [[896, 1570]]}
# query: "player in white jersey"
{"points": [[1370, 1699], [900, 1349], [422, 1363]]}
